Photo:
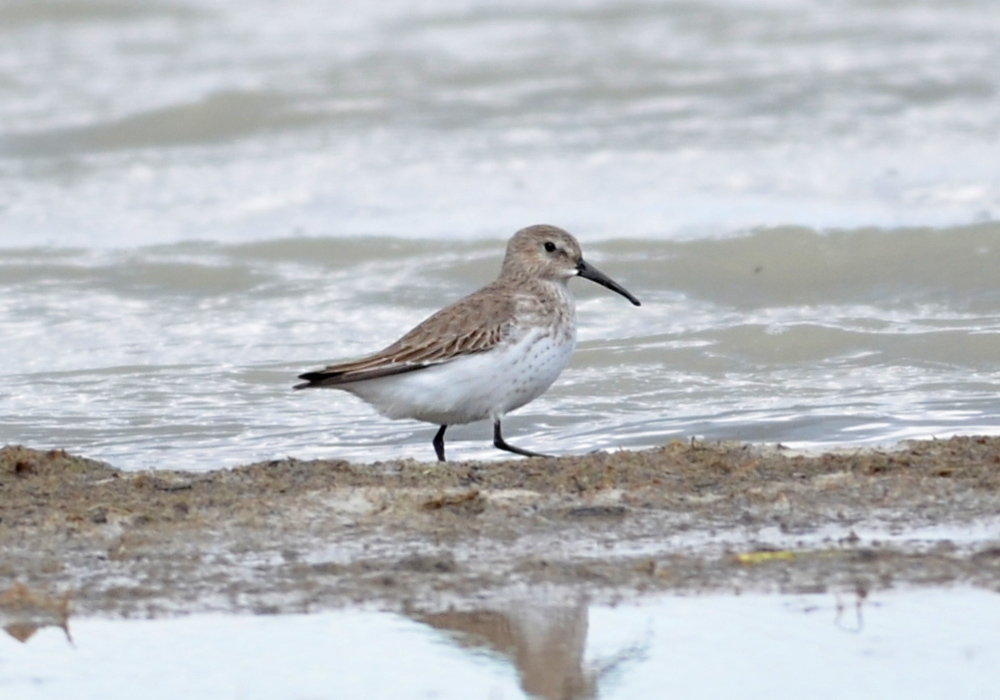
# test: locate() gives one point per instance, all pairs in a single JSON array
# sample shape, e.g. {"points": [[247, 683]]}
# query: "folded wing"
{"points": [[474, 324]]}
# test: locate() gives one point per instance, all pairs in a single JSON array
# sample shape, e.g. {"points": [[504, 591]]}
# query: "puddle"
{"points": [[926, 643]]}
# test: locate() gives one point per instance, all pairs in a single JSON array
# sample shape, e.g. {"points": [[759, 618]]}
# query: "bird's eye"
{"points": [[550, 247]]}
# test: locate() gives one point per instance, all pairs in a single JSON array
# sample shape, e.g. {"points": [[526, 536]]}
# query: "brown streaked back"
{"points": [[471, 325]]}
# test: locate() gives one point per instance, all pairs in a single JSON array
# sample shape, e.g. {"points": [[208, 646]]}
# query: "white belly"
{"points": [[472, 387]]}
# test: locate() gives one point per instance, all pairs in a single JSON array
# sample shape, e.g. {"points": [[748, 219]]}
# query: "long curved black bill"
{"points": [[585, 269]]}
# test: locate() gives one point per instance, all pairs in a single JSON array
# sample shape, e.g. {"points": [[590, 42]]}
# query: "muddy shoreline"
{"points": [[296, 536]]}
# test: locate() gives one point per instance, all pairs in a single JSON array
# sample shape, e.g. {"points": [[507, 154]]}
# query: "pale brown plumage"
{"points": [[451, 332], [485, 355], [480, 321]]}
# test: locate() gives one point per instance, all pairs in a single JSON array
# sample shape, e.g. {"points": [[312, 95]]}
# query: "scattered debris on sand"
{"points": [[293, 535]]}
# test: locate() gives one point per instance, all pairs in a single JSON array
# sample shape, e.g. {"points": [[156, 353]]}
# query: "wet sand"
{"points": [[295, 536]]}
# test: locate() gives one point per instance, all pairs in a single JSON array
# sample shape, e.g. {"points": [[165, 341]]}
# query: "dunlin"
{"points": [[485, 355]]}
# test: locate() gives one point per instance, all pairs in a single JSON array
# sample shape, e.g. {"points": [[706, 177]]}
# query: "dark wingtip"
{"points": [[311, 379]]}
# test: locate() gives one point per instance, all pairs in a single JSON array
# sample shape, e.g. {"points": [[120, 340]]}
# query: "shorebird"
{"points": [[485, 355]]}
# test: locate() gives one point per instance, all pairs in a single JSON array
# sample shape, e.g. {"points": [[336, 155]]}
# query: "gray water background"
{"points": [[200, 200]]}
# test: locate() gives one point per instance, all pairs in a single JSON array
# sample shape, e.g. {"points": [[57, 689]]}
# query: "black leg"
{"points": [[439, 443], [501, 444]]}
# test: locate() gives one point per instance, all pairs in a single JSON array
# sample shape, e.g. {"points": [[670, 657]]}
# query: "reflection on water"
{"points": [[850, 613], [546, 644], [916, 644], [23, 612]]}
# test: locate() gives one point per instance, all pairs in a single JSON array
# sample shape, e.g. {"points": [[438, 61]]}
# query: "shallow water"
{"points": [[824, 646], [183, 355], [199, 201]]}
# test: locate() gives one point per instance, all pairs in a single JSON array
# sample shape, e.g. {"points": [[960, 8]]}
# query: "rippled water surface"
{"points": [[200, 200], [183, 355]]}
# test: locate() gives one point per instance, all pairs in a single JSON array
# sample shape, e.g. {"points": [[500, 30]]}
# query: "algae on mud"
{"points": [[291, 535]]}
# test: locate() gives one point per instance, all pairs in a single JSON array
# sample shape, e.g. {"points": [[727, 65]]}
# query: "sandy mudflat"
{"points": [[295, 535]]}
